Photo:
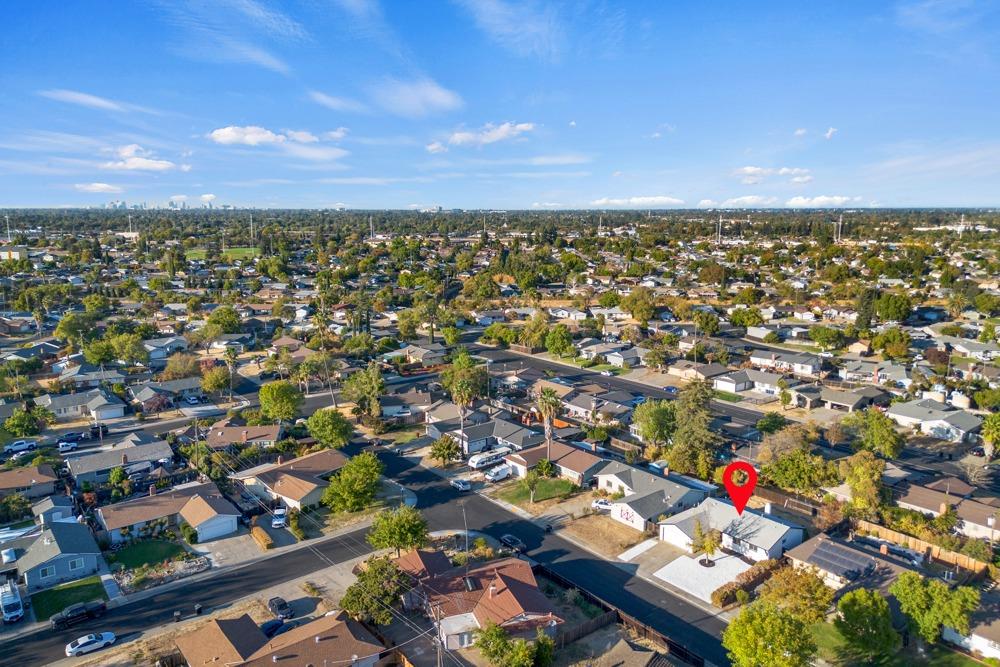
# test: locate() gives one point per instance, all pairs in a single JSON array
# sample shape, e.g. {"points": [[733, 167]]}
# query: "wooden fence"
{"points": [[916, 544], [568, 635]]}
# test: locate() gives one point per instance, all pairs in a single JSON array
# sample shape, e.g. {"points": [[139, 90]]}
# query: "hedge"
{"points": [[293, 525], [759, 572], [189, 533], [261, 537]]}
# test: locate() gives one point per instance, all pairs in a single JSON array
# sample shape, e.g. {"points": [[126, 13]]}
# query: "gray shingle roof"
{"points": [[56, 540]]}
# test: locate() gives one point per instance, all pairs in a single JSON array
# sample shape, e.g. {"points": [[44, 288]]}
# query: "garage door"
{"points": [[217, 527]]}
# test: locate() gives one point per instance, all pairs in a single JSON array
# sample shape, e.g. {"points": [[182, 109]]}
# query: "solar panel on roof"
{"points": [[841, 560]]}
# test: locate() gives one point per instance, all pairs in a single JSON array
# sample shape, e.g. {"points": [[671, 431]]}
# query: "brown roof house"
{"points": [[297, 483], [30, 481], [462, 600], [572, 463], [199, 504], [333, 639], [223, 435]]}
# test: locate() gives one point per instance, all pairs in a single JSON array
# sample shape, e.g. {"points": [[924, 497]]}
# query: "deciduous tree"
{"points": [[765, 636], [865, 622], [330, 428], [401, 528]]}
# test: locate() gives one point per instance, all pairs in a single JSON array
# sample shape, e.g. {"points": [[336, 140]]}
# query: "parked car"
{"points": [[285, 627], [73, 436], [279, 517], [607, 374], [825, 355], [461, 484], [20, 446], [78, 613], [978, 451], [279, 607], [270, 628], [98, 430], [191, 400], [513, 543], [90, 643], [670, 390], [498, 473], [601, 505], [67, 446]]}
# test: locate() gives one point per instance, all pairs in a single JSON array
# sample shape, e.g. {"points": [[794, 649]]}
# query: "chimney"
{"points": [[152, 489], [317, 639], [124, 459], [245, 433]]}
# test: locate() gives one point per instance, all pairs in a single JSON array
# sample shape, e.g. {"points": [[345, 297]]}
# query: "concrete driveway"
{"points": [[686, 574], [202, 411], [231, 550]]}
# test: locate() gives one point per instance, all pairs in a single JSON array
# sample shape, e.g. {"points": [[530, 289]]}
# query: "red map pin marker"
{"points": [[740, 494]]}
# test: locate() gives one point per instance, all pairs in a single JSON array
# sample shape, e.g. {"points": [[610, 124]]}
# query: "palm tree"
{"points": [[548, 404], [319, 320], [463, 392]]}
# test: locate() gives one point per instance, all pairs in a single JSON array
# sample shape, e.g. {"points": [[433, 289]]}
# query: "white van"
{"points": [[10, 602], [498, 473], [486, 459]]}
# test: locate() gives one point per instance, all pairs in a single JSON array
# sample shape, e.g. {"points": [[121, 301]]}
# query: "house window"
{"points": [[46, 572], [76, 564]]}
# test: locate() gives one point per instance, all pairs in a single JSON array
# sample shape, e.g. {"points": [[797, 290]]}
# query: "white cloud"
{"points": [[135, 158], [547, 204], [566, 158], [336, 103], [97, 187], [707, 203], [748, 201], [336, 135], [416, 98], [800, 132], [802, 179], [521, 27], [489, 134], [84, 100], [436, 147], [372, 180], [249, 135], [821, 201], [572, 123], [301, 136], [752, 175], [185, 168], [317, 153], [178, 198], [267, 20], [830, 132], [638, 202], [208, 197]]}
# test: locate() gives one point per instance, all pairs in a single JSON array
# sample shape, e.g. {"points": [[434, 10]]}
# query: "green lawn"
{"points": [[832, 645], [146, 552], [518, 494], [233, 253], [56, 599], [727, 396]]}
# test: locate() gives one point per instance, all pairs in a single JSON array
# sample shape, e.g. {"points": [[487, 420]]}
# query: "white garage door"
{"points": [[216, 527]]}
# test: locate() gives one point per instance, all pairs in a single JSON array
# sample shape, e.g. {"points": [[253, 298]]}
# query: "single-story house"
{"points": [[935, 419], [572, 463], [494, 433], [222, 435], [95, 467], [64, 551], [984, 629], [644, 497], [332, 639], [96, 404], [758, 536], [201, 505], [53, 508], [841, 563], [30, 481], [297, 483], [797, 363]]}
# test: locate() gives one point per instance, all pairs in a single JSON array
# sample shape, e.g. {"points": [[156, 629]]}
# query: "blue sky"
{"points": [[500, 103]]}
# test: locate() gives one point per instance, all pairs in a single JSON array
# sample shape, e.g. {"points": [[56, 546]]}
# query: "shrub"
{"points": [[728, 593], [261, 537], [189, 533], [742, 597], [293, 526]]}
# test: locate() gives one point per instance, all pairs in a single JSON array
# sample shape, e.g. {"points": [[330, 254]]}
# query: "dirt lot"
{"points": [[604, 535], [581, 652]]}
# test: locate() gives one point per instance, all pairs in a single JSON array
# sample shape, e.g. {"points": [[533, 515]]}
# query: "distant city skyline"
{"points": [[501, 104]]}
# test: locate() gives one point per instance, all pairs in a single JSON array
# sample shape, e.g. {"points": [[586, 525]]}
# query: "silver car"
{"points": [[90, 643]]}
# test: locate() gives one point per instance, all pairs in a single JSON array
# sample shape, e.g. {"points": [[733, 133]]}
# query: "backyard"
{"points": [[50, 602], [833, 649], [235, 253], [145, 552]]}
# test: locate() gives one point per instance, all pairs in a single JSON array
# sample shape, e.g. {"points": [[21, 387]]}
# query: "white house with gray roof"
{"points": [[96, 467], [96, 403], [63, 552], [646, 497], [935, 419], [755, 535]]}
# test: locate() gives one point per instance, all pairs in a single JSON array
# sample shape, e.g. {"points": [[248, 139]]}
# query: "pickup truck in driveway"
{"points": [[78, 613]]}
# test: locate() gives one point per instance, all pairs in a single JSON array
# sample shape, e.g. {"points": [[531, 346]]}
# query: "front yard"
{"points": [[145, 552], [517, 493], [50, 602]]}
